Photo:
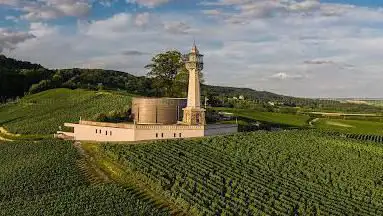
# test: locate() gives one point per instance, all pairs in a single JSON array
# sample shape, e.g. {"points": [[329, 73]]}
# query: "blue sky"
{"points": [[308, 48]]}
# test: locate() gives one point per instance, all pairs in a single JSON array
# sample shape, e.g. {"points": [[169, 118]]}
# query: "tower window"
{"points": [[162, 135], [100, 131], [110, 132], [156, 135], [96, 130], [180, 135], [174, 134], [106, 132]]}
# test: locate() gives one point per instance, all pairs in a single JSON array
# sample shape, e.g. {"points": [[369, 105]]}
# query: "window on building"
{"points": [[96, 130], [174, 134], [180, 135], [162, 135], [156, 135], [106, 132], [110, 132], [100, 131]]}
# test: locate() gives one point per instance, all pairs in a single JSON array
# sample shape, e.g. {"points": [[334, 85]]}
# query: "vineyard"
{"points": [[272, 173], [44, 179], [44, 112], [361, 137]]}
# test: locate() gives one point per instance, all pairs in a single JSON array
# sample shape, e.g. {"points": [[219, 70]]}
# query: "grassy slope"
{"points": [[43, 178], [351, 126], [277, 173], [42, 113], [269, 117]]}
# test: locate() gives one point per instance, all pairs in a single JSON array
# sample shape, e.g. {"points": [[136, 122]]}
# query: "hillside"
{"points": [[20, 77], [44, 112]]}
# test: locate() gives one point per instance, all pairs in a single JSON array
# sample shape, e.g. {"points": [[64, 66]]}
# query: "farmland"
{"points": [[350, 126], [291, 120], [329, 169], [45, 178], [272, 173], [44, 112]]}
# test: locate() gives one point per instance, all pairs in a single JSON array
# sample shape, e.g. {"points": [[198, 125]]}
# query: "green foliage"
{"points": [[43, 179], [169, 75], [350, 126], [281, 119], [44, 112], [262, 173], [116, 116]]}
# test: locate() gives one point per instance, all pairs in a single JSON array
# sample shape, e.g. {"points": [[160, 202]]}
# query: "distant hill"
{"points": [[19, 77]]}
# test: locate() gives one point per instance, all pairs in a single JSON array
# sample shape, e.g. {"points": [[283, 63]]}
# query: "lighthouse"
{"points": [[193, 113]]}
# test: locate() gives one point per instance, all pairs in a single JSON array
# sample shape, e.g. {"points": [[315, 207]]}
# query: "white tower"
{"points": [[193, 113]]}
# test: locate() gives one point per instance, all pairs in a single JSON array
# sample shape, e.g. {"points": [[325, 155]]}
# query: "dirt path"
{"points": [[144, 187], [5, 132], [88, 166], [311, 123], [4, 139]]}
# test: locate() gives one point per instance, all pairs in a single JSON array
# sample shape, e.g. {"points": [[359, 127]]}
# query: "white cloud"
{"points": [[142, 19], [177, 27], [148, 3], [10, 39], [308, 52], [49, 9]]}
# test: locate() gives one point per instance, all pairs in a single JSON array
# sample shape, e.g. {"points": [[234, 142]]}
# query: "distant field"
{"points": [[260, 173], [270, 117], [350, 126], [44, 178], [44, 112], [368, 102]]}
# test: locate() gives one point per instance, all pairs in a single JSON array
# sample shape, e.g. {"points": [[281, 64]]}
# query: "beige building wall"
{"points": [[111, 132], [83, 132], [152, 132]]}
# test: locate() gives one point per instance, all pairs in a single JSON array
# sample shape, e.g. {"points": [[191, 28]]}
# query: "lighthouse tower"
{"points": [[193, 113]]}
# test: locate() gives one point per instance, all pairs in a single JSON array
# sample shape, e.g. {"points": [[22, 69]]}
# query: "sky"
{"points": [[305, 48]]}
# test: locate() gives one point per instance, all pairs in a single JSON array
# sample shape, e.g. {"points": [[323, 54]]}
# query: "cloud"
{"points": [[110, 27], [12, 18], [177, 27], [49, 9], [142, 19], [284, 76], [318, 62], [148, 3], [10, 39], [296, 50], [134, 53], [211, 12]]}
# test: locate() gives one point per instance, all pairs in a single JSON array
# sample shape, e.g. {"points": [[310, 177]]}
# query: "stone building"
{"points": [[157, 118]]}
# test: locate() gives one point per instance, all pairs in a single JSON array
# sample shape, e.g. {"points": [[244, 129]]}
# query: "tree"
{"points": [[170, 77], [164, 69]]}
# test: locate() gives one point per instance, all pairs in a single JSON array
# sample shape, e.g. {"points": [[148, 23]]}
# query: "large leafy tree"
{"points": [[170, 77], [164, 69]]}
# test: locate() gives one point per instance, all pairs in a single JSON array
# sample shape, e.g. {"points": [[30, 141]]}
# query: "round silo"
{"points": [[157, 110]]}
